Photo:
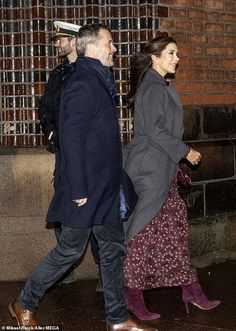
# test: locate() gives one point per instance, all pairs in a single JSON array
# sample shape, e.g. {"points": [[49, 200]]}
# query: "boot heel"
{"points": [[11, 310], [186, 307], [194, 294]]}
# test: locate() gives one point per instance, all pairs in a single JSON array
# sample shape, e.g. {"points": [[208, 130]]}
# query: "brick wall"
{"points": [[27, 56], [206, 34], [204, 29]]}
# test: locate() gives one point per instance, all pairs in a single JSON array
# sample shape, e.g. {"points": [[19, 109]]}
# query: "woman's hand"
{"points": [[194, 157]]}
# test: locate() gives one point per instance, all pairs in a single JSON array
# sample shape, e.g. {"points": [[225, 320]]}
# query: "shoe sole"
{"points": [[141, 318], [203, 308], [12, 312]]}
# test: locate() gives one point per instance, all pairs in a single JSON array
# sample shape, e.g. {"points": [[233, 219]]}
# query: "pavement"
{"points": [[78, 307]]}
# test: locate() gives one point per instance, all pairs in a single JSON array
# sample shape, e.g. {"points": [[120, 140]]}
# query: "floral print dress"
{"points": [[158, 256]]}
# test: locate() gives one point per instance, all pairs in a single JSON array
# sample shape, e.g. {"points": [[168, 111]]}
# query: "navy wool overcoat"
{"points": [[90, 158]]}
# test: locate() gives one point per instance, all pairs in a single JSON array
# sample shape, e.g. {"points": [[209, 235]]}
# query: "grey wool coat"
{"points": [[152, 158]]}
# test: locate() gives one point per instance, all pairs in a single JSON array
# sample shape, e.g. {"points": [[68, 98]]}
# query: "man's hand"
{"points": [[81, 202], [53, 142]]}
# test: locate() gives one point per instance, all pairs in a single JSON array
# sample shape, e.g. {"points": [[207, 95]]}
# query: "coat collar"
{"points": [[154, 75], [105, 72], [94, 64]]}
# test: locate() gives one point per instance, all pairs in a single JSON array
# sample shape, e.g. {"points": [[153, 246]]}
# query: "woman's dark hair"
{"points": [[141, 62]]}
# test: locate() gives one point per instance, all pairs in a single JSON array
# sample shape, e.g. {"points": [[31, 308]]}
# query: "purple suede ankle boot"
{"points": [[194, 294], [135, 302]]}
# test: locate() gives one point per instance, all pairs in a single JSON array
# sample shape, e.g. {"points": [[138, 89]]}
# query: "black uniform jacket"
{"points": [[50, 101]]}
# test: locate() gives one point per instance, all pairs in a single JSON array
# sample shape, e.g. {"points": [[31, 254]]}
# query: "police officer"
{"points": [[65, 42]]}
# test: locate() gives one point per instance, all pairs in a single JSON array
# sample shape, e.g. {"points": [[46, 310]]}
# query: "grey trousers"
{"points": [[70, 248]]}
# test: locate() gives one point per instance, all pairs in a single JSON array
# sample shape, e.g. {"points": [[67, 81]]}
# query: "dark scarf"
{"points": [[105, 72]]}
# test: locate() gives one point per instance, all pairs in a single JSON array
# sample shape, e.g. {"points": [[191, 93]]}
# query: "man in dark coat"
{"points": [[64, 40], [87, 195]]}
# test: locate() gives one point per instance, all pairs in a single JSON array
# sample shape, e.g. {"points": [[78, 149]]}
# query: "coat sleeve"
{"points": [[49, 103], [154, 102], [78, 108]]}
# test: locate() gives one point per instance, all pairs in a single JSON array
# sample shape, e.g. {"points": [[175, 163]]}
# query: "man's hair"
{"points": [[88, 34]]}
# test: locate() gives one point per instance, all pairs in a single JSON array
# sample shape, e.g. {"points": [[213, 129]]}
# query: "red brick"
{"points": [[184, 50], [166, 24], [197, 14], [183, 2], [230, 28], [197, 38], [184, 73], [198, 26], [213, 27], [198, 50], [230, 75], [215, 74], [179, 37], [198, 74], [230, 99], [166, 2], [196, 62], [197, 99], [213, 39], [230, 64], [198, 86], [177, 12], [190, 74], [215, 51], [214, 4], [229, 41], [213, 16], [214, 63], [214, 86], [183, 25], [228, 18], [186, 99], [184, 64], [230, 51], [230, 6], [182, 86], [198, 3], [208, 99], [231, 86]]}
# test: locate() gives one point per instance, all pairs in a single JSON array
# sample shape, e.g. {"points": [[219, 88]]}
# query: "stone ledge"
{"points": [[23, 150], [213, 258], [26, 187], [25, 242]]}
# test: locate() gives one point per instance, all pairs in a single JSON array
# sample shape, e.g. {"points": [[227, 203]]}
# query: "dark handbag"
{"points": [[128, 197], [183, 183]]}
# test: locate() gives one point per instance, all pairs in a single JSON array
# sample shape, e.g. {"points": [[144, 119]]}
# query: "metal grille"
{"points": [[27, 56]]}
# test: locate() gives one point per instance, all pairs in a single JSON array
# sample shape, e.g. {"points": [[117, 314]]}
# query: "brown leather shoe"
{"points": [[23, 317], [130, 325]]}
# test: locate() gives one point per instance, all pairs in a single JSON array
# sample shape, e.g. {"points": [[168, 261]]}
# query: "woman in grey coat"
{"points": [[157, 230]]}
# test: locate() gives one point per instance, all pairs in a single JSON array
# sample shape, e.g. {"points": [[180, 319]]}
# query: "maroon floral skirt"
{"points": [[158, 256]]}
